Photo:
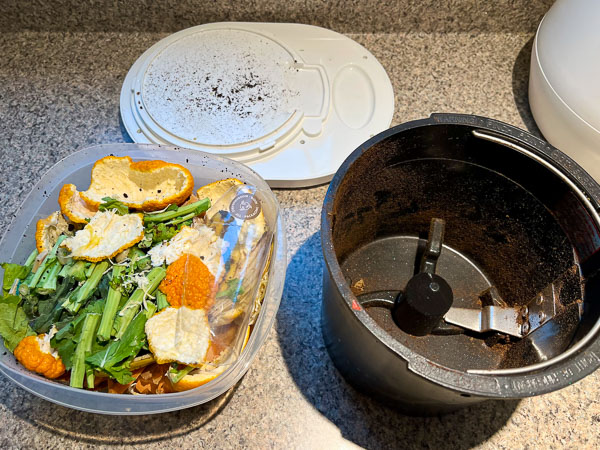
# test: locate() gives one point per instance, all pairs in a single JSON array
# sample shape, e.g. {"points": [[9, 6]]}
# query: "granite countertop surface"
{"points": [[59, 92]]}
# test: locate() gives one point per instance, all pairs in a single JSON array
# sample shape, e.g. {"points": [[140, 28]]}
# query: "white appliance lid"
{"points": [[291, 101]]}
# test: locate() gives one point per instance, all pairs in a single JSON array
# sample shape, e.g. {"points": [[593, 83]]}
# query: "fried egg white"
{"points": [[179, 334], [106, 235], [200, 241]]}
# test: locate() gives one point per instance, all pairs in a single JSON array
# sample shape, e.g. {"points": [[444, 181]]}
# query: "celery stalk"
{"points": [[78, 271], [64, 271], [31, 260], [84, 347], [48, 260], [87, 288], [89, 270], [49, 269], [89, 377], [132, 306], [197, 207], [161, 300], [182, 219], [48, 281], [110, 309]]}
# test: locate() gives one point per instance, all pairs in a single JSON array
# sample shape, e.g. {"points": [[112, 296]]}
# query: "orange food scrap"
{"points": [[145, 185], [29, 353], [197, 379], [116, 388], [48, 230], [220, 341], [153, 380], [73, 206], [189, 283]]}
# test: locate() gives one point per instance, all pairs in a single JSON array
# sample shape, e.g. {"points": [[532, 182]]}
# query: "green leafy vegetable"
{"points": [[112, 304], [84, 347], [30, 304], [11, 273], [111, 204], [138, 259], [135, 253], [163, 232], [49, 310], [104, 285], [112, 359], [232, 291], [14, 325], [143, 264], [133, 304], [68, 335], [161, 300], [175, 374], [146, 241], [197, 208], [157, 232]]}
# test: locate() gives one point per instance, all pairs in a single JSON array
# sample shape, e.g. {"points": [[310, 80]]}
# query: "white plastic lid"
{"points": [[292, 101]]}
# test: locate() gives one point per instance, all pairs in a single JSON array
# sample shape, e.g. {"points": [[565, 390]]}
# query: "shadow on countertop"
{"points": [[361, 420], [124, 133], [520, 87], [97, 429]]}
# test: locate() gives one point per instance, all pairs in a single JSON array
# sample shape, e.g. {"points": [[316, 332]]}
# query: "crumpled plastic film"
{"points": [[243, 226]]}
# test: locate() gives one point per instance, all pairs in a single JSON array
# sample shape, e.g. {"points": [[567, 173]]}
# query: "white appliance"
{"points": [[564, 83]]}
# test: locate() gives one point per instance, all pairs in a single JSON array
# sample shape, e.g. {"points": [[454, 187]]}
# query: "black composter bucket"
{"points": [[461, 265]]}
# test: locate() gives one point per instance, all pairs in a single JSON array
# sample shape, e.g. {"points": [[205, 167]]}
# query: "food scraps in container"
{"points": [[137, 285]]}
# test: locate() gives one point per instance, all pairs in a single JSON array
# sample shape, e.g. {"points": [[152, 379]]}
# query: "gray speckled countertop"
{"points": [[59, 92]]}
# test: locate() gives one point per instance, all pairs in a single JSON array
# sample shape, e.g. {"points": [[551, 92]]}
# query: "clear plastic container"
{"points": [[19, 239]]}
